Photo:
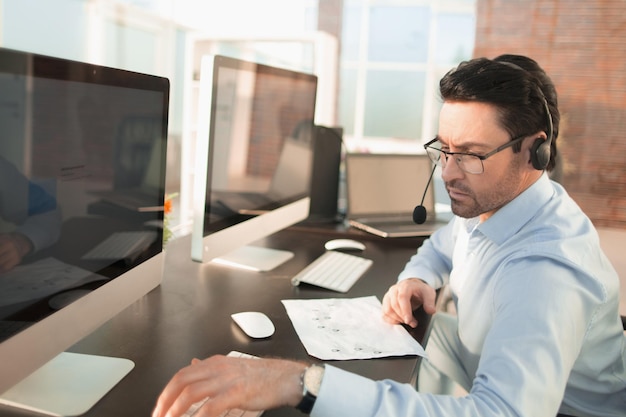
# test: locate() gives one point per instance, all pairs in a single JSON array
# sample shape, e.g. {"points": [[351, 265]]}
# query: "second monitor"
{"points": [[253, 159]]}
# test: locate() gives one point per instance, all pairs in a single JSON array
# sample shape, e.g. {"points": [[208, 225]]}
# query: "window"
{"points": [[393, 55]]}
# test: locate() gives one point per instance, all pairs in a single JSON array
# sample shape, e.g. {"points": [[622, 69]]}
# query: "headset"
{"points": [[540, 149]]}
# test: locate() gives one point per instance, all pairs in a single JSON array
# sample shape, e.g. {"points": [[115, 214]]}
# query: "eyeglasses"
{"points": [[467, 161]]}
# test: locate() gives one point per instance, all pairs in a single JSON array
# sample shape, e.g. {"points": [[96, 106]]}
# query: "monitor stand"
{"points": [[68, 385], [255, 258]]}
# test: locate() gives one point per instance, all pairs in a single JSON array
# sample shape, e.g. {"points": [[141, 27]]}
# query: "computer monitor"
{"points": [[254, 159], [82, 164]]}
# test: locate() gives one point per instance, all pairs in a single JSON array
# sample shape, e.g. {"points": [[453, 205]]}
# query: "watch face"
{"points": [[313, 379]]}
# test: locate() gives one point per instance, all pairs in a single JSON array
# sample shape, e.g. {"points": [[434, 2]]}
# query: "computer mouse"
{"points": [[255, 324], [344, 244]]}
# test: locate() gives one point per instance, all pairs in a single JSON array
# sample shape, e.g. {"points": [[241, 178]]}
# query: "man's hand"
{"points": [[13, 247], [247, 384], [404, 297]]}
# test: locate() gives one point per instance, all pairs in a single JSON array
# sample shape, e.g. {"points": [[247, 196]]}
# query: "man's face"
{"points": [[472, 127]]}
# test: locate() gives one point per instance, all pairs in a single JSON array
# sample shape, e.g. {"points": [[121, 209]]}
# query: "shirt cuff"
{"points": [[343, 393]]}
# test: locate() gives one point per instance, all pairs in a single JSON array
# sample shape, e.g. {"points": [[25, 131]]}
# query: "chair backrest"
{"points": [[613, 241]]}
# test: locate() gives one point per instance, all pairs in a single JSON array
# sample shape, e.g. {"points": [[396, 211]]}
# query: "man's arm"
{"points": [[433, 261], [247, 384]]}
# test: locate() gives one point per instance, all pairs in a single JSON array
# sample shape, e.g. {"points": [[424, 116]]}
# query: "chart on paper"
{"points": [[342, 329]]}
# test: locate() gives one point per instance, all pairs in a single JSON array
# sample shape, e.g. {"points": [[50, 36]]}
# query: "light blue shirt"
{"points": [[537, 305]]}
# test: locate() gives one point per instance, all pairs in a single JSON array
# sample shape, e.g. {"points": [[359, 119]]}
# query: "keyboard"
{"points": [[336, 271], [122, 245], [228, 413]]}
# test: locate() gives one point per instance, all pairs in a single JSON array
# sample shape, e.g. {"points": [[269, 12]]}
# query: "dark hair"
{"points": [[516, 85]]}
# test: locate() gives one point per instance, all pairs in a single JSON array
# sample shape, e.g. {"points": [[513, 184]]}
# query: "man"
{"points": [[537, 330]]}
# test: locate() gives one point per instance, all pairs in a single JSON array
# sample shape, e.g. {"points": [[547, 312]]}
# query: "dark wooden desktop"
{"points": [[188, 316]]}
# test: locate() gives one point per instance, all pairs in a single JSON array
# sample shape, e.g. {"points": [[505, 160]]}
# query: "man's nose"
{"points": [[451, 170]]}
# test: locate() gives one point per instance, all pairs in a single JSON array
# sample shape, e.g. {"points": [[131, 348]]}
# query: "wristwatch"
{"points": [[311, 380]]}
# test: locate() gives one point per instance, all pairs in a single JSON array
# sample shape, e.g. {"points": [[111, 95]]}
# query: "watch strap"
{"points": [[306, 404], [310, 381]]}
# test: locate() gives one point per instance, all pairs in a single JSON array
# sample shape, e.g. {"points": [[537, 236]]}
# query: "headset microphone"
{"points": [[419, 213]]}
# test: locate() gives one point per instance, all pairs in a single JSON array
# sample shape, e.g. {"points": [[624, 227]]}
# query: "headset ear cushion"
{"points": [[540, 154]]}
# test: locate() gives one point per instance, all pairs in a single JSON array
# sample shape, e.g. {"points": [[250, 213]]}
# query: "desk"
{"points": [[189, 316]]}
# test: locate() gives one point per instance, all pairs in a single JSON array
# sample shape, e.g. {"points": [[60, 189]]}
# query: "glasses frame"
{"points": [[447, 154]]}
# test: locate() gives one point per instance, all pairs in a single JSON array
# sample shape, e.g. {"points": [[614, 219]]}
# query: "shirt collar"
{"points": [[509, 219]]}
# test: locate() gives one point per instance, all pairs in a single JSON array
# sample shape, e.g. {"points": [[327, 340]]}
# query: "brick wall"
{"points": [[582, 45]]}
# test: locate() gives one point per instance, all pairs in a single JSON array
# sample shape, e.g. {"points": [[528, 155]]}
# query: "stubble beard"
{"points": [[492, 199]]}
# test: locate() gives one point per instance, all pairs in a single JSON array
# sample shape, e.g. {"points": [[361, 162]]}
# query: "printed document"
{"points": [[348, 328]]}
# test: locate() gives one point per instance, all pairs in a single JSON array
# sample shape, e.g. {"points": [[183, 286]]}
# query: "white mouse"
{"points": [[255, 324], [344, 244]]}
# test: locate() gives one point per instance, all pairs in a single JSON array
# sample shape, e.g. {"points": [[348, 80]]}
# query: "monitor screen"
{"points": [[82, 175], [254, 158]]}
